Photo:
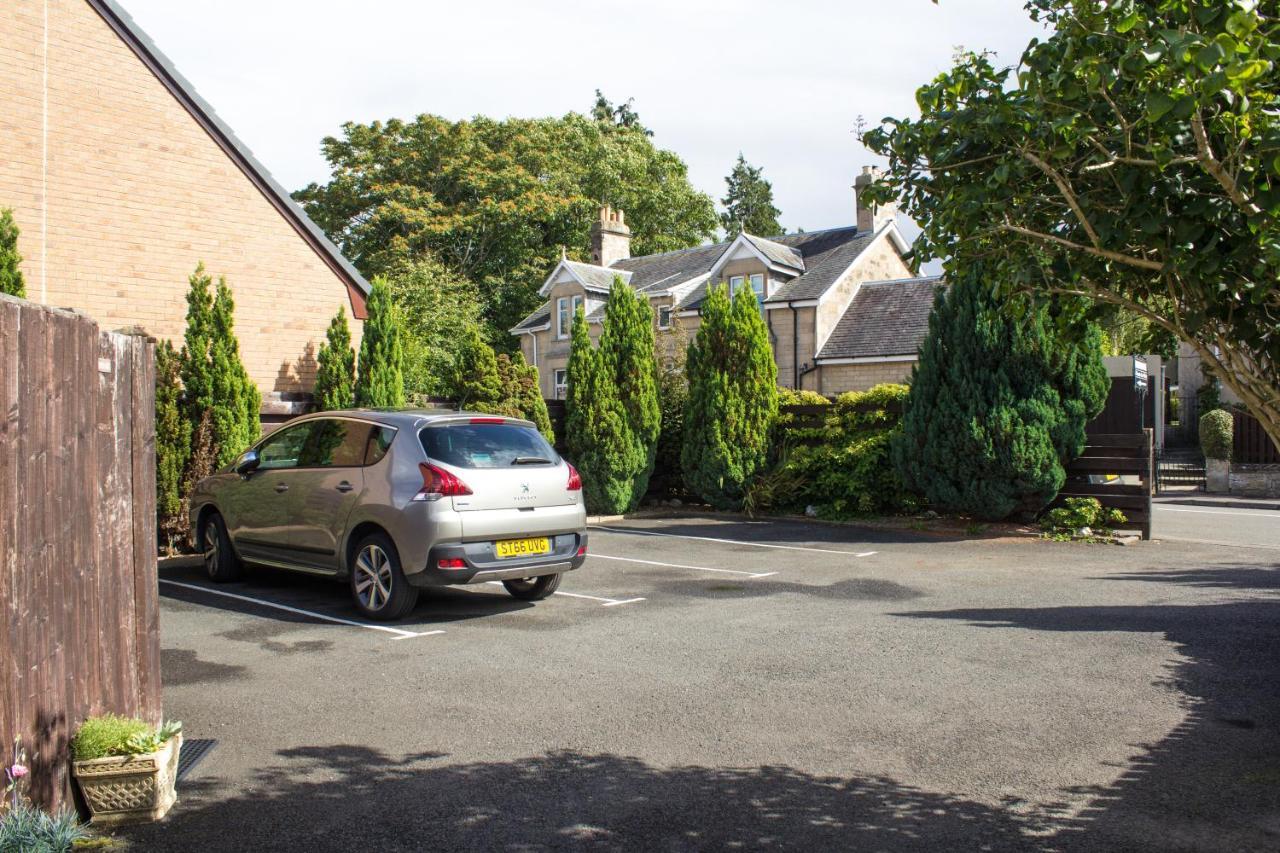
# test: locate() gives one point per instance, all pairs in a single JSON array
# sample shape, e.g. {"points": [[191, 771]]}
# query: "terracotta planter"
{"points": [[130, 788]]}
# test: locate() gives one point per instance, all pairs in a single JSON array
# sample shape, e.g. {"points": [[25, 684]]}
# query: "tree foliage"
{"points": [[521, 395], [336, 367], [380, 371], [596, 432], [1132, 159], [733, 399], [627, 349], [433, 304], [999, 401], [10, 275], [1217, 429], [476, 384], [173, 445], [749, 203], [496, 201]]}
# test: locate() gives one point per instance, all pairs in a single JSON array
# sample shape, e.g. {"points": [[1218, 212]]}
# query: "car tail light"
{"points": [[438, 483], [575, 482], [582, 551], [488, 421], [452, 563]]}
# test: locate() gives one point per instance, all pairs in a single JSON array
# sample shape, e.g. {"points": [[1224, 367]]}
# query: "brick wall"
{"points": [[838, 378], [138, 193]]}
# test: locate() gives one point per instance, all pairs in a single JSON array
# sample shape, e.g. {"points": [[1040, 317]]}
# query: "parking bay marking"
{"points": [[608, 602], [400, 634], [733, 541], [749, 575]]}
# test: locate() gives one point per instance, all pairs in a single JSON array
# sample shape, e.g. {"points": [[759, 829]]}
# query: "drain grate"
{"points": [[193, 752]]}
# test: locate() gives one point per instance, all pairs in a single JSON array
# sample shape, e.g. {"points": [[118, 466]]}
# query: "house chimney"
{"points": [[610, 238], [871, 217]]}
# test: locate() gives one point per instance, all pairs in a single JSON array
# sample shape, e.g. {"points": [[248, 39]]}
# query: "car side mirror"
{"points": [[247, 463]]}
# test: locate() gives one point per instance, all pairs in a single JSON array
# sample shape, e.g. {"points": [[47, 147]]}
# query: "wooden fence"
{"points": [[78, 588], [1127, 455], [1250, 444]]}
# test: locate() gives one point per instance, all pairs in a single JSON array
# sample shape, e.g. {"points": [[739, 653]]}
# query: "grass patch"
{"points": [[111, 734]]}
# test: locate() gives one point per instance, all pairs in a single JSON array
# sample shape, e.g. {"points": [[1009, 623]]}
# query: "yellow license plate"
{"points": [[523, 547]]}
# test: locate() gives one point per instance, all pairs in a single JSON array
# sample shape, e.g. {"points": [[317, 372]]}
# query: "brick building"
{"points": [[843, 308], [122, 179]]}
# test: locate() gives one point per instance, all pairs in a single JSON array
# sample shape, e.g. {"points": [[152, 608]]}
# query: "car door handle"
{"points": [[281, 487], [344, 486]]}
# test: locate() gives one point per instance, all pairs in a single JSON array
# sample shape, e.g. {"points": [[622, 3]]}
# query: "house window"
{"points": [[735, 284], [562, 384], [664, 317], [757, 286], [566, 308]]}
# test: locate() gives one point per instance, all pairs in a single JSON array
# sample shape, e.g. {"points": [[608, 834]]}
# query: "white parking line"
{"points": [[731, 541], [750, 575], [1266, 513], [400, 634], [608, 602]]}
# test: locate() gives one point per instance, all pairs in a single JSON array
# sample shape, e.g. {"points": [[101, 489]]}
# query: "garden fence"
{"points": [[80, 633], [1250, 443], [1107, 470]]}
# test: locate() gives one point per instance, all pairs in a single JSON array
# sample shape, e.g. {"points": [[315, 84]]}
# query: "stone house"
{"points": [[844, 308], [122, 179]]}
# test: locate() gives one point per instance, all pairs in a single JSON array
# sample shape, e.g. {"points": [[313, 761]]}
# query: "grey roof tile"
{"points": [[599, 278], [539, 317], [827, 255], [885, 318], [777, 252]]}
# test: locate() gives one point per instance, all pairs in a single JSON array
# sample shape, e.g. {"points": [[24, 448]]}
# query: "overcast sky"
{"points": [[784, 82]]}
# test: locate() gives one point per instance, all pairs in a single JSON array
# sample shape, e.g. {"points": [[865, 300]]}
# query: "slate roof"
{"points": [[598, 278], [885, 318], [540, 317], [142, 46], [776, 252], [827, 254]]}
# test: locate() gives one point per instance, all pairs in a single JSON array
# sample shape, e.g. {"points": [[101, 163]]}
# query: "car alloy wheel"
{"points": [[211, 547], [373, 577]]}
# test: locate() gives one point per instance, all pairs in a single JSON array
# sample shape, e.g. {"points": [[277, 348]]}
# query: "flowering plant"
{"points": [[14, 774]]}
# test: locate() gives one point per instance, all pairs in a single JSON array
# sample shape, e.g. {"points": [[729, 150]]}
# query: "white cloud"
{"points": [[782, 82]]}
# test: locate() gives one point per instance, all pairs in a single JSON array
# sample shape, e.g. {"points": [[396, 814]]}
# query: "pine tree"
{"points": [[173, 445], [999, 401], [733, 399], [627, 349], [749, 203], [476, 384], [380, 381], [10, 275], [596, 430], [336, 367], [236, 401]]}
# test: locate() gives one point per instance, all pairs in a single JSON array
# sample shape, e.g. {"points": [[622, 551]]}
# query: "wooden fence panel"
{"points": [[1124, 454], [1250, 443], [78, 581]]}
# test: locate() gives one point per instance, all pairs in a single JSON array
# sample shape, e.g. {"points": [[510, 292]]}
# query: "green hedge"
{"points": [[1216, 434]]}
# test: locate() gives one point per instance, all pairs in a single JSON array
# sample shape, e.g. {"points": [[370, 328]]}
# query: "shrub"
{"points": [[173, 445], [380, 377], [1216, 432], [802, 397], [111, 734], [998, 402], [521, 396], [627, 350], [27, 829], [10, 275], [336, 367], [673, 394], [596, 429], [475, 383], [733, 399], [1079, 513], [842, 467]]}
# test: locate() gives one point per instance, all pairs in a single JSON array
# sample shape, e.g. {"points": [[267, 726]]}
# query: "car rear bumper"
{"points": [[567, 553]]}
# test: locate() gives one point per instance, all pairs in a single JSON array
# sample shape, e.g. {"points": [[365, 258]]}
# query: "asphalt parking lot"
{"points": [[704, 683]]}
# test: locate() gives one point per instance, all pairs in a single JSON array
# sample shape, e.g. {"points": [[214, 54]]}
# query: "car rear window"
{"points": [[486, 445]]}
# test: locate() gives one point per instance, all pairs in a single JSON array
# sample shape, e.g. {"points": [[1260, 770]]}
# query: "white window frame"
{"points": [[664, 310], [562, 305], [735, 284], [758, 279], [560, 383]]}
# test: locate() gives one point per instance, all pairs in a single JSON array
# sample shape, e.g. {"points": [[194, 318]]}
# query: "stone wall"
{"points": [[1255, 481]]}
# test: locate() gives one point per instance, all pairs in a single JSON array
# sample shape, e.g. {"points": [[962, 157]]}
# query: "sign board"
{"points": [[1140, 378]]}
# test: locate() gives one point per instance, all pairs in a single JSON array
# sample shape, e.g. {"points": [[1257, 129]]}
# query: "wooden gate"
{"points": [[80, 629]]}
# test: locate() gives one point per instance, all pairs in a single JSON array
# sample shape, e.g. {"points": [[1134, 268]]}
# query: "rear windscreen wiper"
{"points": [[530, 460]]}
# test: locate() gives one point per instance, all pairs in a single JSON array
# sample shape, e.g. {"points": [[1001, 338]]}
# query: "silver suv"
{"points": [[394, 501]]}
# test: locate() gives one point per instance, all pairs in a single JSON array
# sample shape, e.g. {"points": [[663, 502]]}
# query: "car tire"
{"points": [[378, 585], [220, 561], [533, 589]]}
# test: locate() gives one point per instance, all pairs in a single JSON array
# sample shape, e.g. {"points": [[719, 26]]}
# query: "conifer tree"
{"points": [[476, 384], [380, 381], [521, 396], [733, 399], [595, 428], [998, 403], [173, 445], [336, 367], [10, 275], [236, 401], [627, 350], [749, 203], [195, 368]]}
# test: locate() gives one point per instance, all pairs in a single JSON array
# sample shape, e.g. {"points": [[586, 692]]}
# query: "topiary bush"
{"points": [[1216, 434]]}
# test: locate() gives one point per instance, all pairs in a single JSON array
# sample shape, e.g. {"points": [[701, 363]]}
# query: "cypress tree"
{"points": [[10, 275], [336, 367], [521, 396], [195, 368], [627, 350], [173, 445], [476, 382], [733, 399], [380, 382], [236, 401], [595, 428], [998, 403]]}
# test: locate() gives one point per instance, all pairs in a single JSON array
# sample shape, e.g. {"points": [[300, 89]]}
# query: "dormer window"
{"points": [[736, 283], [566, 308]]}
